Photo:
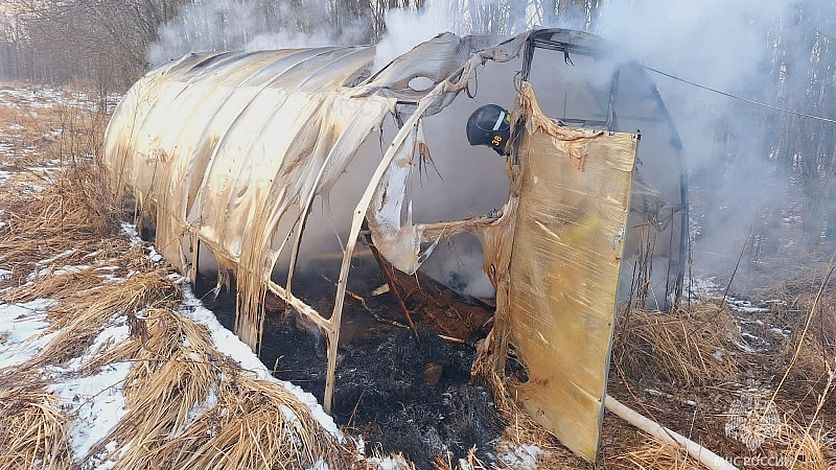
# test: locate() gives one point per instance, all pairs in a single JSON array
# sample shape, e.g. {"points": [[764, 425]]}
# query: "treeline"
{"points": [[105, 43], [99, 43]]}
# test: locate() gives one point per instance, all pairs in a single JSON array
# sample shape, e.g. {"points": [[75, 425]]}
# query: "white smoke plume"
{"points": [[224, 25], [727, 149]]}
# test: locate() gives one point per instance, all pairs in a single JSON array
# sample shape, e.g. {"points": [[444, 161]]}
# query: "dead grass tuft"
{"points": [[78, 319], [653, 454], [810, 366], [802, 447], [215, 415], [56, 286], [32, 433], [112, 260], [688, 348], [67, 217], [255, 424]]}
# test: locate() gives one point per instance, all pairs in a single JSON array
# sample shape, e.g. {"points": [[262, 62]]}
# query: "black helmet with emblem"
{"points": [[490, 125]]}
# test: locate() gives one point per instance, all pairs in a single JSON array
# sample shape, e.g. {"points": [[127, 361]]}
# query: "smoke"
{"points": [[407, 28], [727, 150], [728, 145], [224, 25]]}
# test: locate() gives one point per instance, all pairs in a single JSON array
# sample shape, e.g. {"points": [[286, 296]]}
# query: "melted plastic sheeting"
{"points": [[573, 204], [223, 146], [231, 150]]}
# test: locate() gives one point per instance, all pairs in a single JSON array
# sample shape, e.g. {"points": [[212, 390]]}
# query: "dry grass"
{"points": [[56, 286], [32, 433], [188, 405], [818, 346], [653, 454], [111, 261], [78, 320], [808, 449], [258, 425], [71, 212], [689, 348], [247, 423], [56, 200], [810, 366]]}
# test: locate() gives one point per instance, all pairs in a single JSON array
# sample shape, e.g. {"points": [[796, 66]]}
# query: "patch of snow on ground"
{"points": [[389, 463], [320, 465], [198, 409], [523, 457], [62, 271], [63, 254], [701, 289], [745, 306], [129, 230], [21, 331], [95, 404], [116, 332]]}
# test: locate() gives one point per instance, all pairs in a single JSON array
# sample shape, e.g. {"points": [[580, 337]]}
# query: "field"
{"points": [[108, 358]]}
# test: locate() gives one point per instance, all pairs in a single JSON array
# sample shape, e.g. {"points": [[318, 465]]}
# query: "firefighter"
{"points": [[490, 125]]}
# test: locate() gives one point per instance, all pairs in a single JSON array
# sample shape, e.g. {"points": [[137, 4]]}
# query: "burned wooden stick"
{"points": [[393, 286]]}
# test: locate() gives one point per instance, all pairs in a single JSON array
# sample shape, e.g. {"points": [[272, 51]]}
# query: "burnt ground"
{"points": [[399, 394]]}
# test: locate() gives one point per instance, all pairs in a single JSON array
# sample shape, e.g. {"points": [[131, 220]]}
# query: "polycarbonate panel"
{"points": [[573, 203]]}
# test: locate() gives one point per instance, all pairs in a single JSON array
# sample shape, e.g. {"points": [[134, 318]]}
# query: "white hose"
{"points": [[662, 434]]}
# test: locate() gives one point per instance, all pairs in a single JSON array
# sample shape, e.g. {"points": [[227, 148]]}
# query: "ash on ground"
{"points": [[399, 394]]}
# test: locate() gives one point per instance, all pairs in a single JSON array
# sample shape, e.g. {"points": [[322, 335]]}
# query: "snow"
{"points": [[21, 331], [50, 98], [116, 332], [129, 230], [55, 258], [154, 256], [389, 463], [319, 465], [96, 402], [744, 306], [783, 333], [523, 457]]}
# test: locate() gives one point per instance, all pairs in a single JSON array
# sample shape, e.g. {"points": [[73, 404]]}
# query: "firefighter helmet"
{"points": [[490, 125]]}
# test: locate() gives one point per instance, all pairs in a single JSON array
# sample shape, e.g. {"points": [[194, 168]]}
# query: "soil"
{"points": [[399, 394]]}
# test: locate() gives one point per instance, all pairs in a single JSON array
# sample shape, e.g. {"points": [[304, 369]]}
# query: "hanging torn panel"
{"points": [[573, 204]]}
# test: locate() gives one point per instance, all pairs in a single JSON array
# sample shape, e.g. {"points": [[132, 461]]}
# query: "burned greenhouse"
{"points": [[278, 163]]}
